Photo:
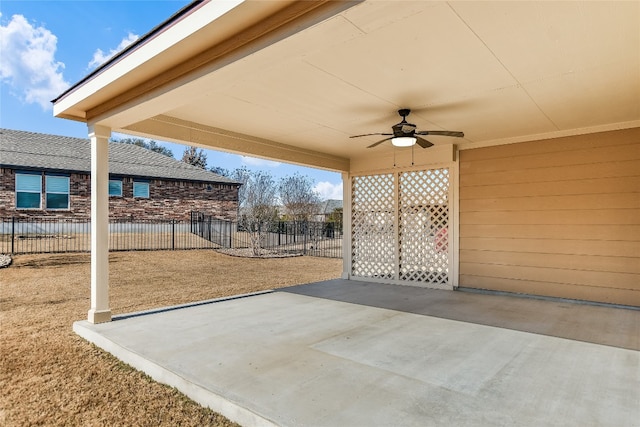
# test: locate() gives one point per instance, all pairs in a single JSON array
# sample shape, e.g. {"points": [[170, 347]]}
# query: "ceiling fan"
{"points": [[405, 134]]}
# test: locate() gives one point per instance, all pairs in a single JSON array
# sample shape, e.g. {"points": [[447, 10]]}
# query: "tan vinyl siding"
{"points": [[558, 217]]}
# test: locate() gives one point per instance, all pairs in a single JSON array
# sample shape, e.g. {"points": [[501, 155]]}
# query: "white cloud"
{"points": [[252, 161], [28, 63], [99, 57], [327, 190]]}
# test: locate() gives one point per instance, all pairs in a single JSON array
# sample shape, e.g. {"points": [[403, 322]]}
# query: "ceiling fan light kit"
{"points": [[405, 134], [404, 141]]}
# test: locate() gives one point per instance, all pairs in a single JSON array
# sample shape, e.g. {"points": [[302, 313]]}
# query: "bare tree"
{"points": [[241, 175], [298, 198], [220, 171], [195, 156], [148, 144], [257, 199]]}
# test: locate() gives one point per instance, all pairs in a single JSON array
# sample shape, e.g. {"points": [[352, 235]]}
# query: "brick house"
{"points": [[48, 175]]}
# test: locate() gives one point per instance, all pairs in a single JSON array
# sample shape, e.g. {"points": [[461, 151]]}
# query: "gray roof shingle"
{"points": [[328, 206], [21, 149]]}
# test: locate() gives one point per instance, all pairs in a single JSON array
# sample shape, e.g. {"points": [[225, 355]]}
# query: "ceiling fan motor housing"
{"points": [[404, 128]]}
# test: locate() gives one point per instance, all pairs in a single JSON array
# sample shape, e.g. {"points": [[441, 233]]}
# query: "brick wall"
{"points": [[167, 200]]}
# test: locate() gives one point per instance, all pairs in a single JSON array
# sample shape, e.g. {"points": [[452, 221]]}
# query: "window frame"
{"points": [[148, 191], [25, 173], [119, 181], [47, 192]]}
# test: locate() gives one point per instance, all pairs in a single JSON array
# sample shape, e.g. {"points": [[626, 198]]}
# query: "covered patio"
{"points": [[519, 174], [515, 165], [339, 353]]}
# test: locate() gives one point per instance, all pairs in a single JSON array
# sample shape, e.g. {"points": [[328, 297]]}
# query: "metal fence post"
{"points": [[13, 233], [305, 231], [173, 234]]}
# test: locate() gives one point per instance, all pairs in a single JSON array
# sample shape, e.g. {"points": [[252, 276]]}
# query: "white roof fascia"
{"points": [[178, 31]]}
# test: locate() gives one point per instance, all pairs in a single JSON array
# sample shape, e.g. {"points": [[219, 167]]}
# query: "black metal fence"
{"points": [[322, 239], [55, 235], [216, 231], [49, 235]]}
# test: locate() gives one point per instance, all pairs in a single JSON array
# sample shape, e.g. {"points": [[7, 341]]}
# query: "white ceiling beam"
{"points": [[190, 133]]}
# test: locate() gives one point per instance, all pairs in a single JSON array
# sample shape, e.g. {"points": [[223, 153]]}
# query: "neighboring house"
{"points": [[49, 175], [328, 210], [323, 211]]}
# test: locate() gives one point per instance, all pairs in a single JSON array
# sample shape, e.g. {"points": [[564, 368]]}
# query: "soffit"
{"points": [[206, 24]]}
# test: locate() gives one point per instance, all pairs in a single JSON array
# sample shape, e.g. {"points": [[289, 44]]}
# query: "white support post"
{"points": [[346, 226], [100, 311], [454, 215]]}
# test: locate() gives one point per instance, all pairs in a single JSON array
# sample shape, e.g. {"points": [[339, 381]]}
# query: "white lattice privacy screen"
{"points": [[400, 226], [373, 226], [423, 223]]}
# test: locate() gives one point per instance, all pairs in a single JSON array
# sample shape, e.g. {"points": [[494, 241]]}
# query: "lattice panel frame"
{"points": [[423, 226], [373, 230], [400, 227]]}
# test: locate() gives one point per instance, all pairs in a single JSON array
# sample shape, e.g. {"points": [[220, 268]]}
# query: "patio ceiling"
{"points": [[293, 80]]}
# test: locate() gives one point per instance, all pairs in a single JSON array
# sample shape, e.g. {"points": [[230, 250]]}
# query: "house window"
{"points": [[57, 188], [28, 191], [115, 187], [141, 189]]}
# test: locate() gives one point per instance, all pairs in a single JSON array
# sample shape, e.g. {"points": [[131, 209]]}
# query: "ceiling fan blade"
{"points": [[423, 142], [378, 143], [441, 132], [370, 134]]}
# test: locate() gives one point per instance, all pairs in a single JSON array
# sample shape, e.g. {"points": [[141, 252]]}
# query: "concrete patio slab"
{"points": [[333, 354]]}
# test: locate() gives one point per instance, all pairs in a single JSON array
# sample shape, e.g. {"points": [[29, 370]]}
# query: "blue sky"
{"points": [[46, 46]]}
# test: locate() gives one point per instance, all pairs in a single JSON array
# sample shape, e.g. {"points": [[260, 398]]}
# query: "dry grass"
{"points": [[78, 242], [50, 376]]}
